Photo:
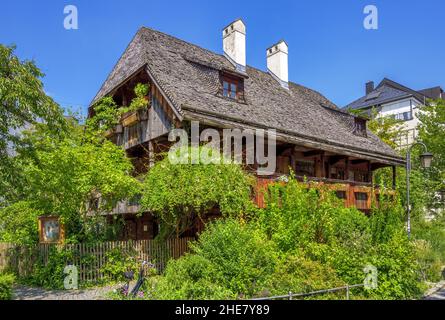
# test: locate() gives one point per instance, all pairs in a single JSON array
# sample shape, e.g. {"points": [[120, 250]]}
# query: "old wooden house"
{"points": [[314, 137]]}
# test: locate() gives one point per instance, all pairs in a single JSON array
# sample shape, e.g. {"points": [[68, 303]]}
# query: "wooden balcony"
{"points": [[135, 129], [125, 207], [355, 194]]}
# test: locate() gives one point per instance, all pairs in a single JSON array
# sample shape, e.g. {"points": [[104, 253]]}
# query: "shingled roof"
{"points": [[388, 91], [189, 76]]}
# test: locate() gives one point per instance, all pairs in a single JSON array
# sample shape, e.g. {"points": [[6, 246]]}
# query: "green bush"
{"points": [[18, 224], [50, 275], [303, 240], [298, 274], [119, 261], [241, 254], [429, 261], [191, 278], [430, 245], [296, 216], [6, 282], [231, 259], [398, 270]]}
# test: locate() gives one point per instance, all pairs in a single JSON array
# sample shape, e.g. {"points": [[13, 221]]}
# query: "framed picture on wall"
{"points": [[50, 229]]}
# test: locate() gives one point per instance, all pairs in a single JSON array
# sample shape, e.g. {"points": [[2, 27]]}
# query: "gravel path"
{"points": [[30, 293], [438, 295]]}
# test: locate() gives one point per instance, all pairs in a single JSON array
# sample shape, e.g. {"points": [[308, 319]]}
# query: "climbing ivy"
{"points": [[107, 113], [180, 193]]}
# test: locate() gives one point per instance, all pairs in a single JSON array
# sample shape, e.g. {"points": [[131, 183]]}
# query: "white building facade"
{"points": [[393, 99]]}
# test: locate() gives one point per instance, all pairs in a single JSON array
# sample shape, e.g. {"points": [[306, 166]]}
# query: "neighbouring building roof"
{"points": [[189, 76], [433, 93], [389, 91]]}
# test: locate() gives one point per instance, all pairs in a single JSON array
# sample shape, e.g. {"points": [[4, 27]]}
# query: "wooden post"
{"points": [[394, 177], [347, 169], [371, 176], [351, 196], [292, 160], [319, 165], [328, 176], [323, 169], [151, 154]]}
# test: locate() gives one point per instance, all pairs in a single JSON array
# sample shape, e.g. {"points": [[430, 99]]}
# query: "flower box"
{"points": [[117, 129], [129, 118]]}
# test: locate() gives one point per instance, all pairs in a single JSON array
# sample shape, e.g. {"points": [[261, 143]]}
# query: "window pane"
{"points": [[226, 85], [225, 92], [233, 91]]}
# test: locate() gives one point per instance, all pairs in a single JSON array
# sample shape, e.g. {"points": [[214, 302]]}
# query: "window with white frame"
{"points": [[403, 116]]}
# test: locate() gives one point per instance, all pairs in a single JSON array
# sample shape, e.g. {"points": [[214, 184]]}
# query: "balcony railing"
{"points": [[355, 194], [126, 207]]}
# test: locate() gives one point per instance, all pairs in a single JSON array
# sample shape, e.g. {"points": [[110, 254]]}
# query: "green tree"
{"points": [[432, 133], [181, 193], [388, 129], [18, 223], [62, 176], [23, 103]]}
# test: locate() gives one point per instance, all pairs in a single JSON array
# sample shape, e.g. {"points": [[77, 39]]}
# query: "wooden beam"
{"points": [[312, 153], [375, 166], [335, 159], [359, 161], [370, 175]]}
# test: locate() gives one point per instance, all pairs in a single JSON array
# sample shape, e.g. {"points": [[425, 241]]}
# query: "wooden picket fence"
{"points": [[91, 258]]}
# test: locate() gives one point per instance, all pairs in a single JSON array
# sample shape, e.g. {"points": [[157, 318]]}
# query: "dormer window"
{"points": [[232, 87], [229, 89]]}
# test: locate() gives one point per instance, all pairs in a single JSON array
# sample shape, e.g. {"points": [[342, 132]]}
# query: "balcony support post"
{"points": [[151, 154], [394, 177]]}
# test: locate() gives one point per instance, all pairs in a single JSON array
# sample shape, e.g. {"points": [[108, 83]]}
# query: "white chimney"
{"points": [[277, 63], [234, 43]]}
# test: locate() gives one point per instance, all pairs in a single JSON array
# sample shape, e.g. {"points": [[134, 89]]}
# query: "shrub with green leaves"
{"points": [[119, 261], [18, 223], [303, 240], [179, 194], [398, 271], [298, 274], [192, 277], [50, 275], [6, 283], [241, 254], [296, 216], [231, 259], [430, 245]]}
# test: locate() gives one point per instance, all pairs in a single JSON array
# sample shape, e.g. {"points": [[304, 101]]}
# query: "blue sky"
{"points": [[329, 49]]}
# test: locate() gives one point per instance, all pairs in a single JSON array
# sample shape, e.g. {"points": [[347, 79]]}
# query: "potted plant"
{"points": [[136, 109]]}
